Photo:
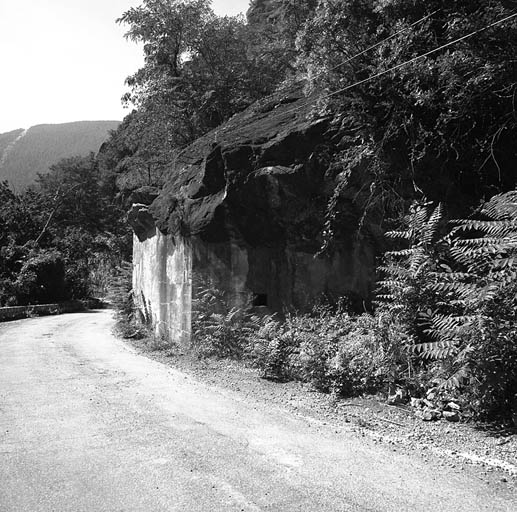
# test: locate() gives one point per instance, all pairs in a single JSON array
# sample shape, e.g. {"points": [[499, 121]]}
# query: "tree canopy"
{"points": [[199, 70], [57, 234], [441, 121]]}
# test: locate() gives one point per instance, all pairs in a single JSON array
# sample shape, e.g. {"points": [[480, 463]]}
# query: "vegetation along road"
{"points": [[87, 424]]}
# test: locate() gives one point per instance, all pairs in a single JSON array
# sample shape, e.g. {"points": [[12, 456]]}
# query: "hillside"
{"points": [[25, 153]]}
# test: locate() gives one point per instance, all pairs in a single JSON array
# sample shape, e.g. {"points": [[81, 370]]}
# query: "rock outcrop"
{"points": [[262, 166], [247, 202]]}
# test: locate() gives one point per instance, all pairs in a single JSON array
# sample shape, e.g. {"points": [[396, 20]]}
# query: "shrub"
{"points": [[7, 292], [120, 295], [328, 349], [41, 279], [271, 347], [332, 351], [267, 349], [461, 300], [361, 362], [219, 334], [217, 328], [492, 358]]}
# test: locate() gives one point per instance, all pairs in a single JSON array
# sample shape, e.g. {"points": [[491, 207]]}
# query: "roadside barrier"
{"points": [[19, 312]]}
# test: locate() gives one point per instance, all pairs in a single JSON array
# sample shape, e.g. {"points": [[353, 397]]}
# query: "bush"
{"points": [[41, 279], [269, 347], [332, 351], [120, 295], [362, 362], [217, 329], [328, 349], [7, 292], [492, 358], [460, 293]]}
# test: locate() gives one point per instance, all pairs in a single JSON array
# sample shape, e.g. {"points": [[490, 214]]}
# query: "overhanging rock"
{"points": [[243, 209]]}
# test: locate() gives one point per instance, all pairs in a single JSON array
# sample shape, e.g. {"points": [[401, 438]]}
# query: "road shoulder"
{"points": [[489, 454]]}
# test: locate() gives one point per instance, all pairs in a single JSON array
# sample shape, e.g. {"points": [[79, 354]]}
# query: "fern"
{"points": [[441, 287], [493, 255], [405, 268]]}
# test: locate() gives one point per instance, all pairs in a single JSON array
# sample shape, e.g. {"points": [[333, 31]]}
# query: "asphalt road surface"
{"points": [[87, 424]]}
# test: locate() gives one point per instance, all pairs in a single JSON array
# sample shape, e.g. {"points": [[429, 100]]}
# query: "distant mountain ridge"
{"points": [[26, 153]]}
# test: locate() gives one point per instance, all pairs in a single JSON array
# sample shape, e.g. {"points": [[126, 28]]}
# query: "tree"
{"points": [[274, 26], [199, 70], [185, 45], [56, 235], [19, 224], [441, 126], [73, 188], [82, 220]]}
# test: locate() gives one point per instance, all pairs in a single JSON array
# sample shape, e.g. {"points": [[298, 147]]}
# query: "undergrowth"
{"points": [[446, 319], [327, 348], [129, 322]]}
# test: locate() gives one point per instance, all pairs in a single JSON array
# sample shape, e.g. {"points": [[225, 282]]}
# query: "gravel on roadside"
{"points": [[490, 451]]}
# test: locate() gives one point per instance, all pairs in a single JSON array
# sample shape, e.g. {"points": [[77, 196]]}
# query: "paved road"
{"points": [[86, 424]]}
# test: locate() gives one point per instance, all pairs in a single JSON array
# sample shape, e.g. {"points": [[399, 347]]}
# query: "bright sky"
{"points": [[66, 60]]}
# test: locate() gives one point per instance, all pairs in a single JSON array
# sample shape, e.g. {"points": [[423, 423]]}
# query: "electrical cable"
{"points": [[398, 66], [418, 57], [383, 41]]}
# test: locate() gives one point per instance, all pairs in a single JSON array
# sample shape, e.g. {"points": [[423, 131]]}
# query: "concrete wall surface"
{"points": [[169, 271], [162, 284]]}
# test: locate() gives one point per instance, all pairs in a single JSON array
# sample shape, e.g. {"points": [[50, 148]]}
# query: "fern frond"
{"points": [[502, 206], [492, 228], [431, 228], [452, 277], [419, 220], [472, 257], [508, 242], [403, 235], [436, 350], [417, 259], [464, 291], [393, 285], [403, 253], [488, 292], [459, 378]]}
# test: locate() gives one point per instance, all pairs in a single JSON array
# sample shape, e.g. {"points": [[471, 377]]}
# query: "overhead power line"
{"points": [[393, 68], [350, 59], [418, 57], [389, 38]]}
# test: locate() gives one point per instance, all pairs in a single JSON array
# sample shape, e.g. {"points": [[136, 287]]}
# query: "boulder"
{"points": [[417, 403], [262, 182], [141, 221], [428, 414], [453, 406], [244, 209], [399, 397], [451, 415]]}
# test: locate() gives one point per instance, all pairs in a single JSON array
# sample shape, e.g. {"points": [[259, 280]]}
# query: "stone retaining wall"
{"points": [[18, 312]]}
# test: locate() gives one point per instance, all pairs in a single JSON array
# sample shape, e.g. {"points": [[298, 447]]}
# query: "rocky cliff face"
{"points": [[255, 192], [259, 175]]}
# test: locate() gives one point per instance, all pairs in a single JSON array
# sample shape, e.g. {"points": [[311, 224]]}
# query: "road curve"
{"points": [[87, 424]]}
